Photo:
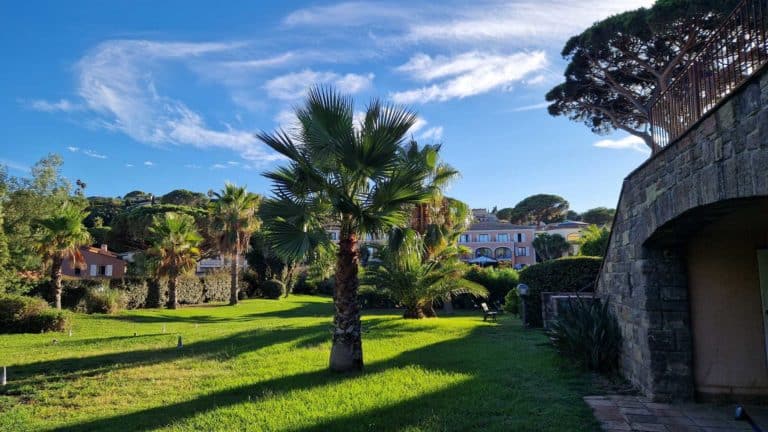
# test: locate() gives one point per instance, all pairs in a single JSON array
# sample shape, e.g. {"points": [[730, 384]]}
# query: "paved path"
{"points": [[633, 413]]}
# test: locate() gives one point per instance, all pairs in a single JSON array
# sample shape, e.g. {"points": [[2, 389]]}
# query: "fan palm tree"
{"points": [[357, 175], [415, 281], [234, 220], [61, 236], [175, 242]]}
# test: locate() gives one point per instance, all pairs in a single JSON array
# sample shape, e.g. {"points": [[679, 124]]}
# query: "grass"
{"points": [[262, 366]]}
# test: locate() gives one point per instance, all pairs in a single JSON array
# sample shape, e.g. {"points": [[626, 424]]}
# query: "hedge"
{"points": [[570, 274], [22, 314], [498, 282]]}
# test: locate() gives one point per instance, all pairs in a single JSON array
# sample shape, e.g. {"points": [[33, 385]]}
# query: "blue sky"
{"points": [[161, 95]]}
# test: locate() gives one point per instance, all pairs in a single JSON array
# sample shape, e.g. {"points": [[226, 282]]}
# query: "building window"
{"points": [[486, 252], [503, 253], [334, 235], [464, 238], [502, 237], [520, 237], [102, 270], [483, 237], [521, 251], [78, 271]]}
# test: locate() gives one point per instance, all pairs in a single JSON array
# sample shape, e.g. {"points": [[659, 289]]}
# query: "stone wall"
{"points": [[724, 157]]}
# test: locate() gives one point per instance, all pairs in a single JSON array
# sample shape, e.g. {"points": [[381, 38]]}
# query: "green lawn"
{"points": [[262, 366]]}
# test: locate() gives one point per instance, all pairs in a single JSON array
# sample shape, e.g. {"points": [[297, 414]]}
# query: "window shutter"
{"points": [[109, 270], [93, 269]]}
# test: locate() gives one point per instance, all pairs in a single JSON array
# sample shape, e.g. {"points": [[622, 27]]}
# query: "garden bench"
{"points": [[487, 312]]}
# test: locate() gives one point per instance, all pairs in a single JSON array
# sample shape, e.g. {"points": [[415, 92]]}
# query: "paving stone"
{"points": [[615, 425], [634, 411], [649, 427]]}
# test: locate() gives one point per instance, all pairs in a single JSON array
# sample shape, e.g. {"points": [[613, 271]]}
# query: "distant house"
{"points": [[498, 240], [571, 231], [100, 263], [207, 265]]}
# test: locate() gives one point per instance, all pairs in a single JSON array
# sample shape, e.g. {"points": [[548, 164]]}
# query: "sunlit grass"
{"points": [[262, 366]]}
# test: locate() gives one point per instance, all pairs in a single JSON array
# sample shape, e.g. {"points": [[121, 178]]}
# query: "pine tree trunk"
{"points": [[56, 281], [173, 302], [347, 348], [234, 272]]}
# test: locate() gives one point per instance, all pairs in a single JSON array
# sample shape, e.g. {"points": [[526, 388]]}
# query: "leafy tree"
{"points": [[617, 66], [61, 236], [594, 241], [415, 279], [505, 213], [104, 208], [573, 215], [550, 246], [185, 197], [131, 228], [359, 176], [234, 220], [175, 242], [539, 208], [599, 216], [138, 197]]}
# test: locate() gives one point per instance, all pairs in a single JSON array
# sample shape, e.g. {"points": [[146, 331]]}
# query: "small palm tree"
{"points": [[61, 236], [175, 243], [416, 282], [234, 220], [357, 175]]}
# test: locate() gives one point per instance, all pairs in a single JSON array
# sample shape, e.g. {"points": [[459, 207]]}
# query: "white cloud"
{"points": [[149, 163], [218, 166], [129, 165], [533, 107], [93, 154], [192, 166], [631, 142], [116, 81], [346, 14], [14, 165], [62, 105], [466, 74], [294, 85], [432, 134], [73, 149], [418, 125]]}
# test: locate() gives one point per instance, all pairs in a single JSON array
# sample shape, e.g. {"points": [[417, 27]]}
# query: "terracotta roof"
{"points": [[99, 251], [565, 224]]}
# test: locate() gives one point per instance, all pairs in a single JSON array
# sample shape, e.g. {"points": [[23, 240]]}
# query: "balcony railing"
{"points": [[731, 55]]}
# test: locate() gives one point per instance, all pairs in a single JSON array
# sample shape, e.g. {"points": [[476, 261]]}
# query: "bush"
{"points": [[372, 298], [272, 289], [512, 302], [571, 274], [498, 282], [135, 291], [103, 300], [588, 333], [20, 314], [189, 289], [326, 286], [217, 286], [72, 293]]}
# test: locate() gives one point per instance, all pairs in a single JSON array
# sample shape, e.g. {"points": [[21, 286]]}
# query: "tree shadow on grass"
{"points": [[499, 395]]}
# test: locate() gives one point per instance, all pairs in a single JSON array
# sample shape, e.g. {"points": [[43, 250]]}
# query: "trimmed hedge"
{"points": [[102, 300], [21, 314], [570, 274], [498, 282], [135, 292]]}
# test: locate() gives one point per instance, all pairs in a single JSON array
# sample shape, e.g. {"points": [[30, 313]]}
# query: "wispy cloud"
{"points": [[73, 149], [630, 142], [432, 134], [218, 166], [94, 154], [129, 165], [62, 105], [294, 86], [116, 81], [532, 107], [14, 165], [149, 163], [192, 166], [466, 74], [349, 14]]}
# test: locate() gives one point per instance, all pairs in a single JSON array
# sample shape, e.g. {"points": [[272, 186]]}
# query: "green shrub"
{"points": [[103, 300], [189, 289], [498, 282], [135, 291], [217, 285], [272, 289], [372, 298], [305, 285], [571, 274], [587, 333], [512, 302], [21, 314], [326, 286]]}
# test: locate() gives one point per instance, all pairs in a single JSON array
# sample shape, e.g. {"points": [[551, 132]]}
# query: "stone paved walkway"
{"points": [[633, 413]]}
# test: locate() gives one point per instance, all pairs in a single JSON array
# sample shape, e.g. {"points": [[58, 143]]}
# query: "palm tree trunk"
{"points": [[56, 281], [347, 348], [413, 312], [173, 302], [234, 273]]}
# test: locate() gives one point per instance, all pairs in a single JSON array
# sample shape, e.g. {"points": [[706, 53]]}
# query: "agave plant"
{"points": [[588, 333], [415, 282]]}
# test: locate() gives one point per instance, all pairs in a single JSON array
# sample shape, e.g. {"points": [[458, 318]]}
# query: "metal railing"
{"points": [[732, 54]]}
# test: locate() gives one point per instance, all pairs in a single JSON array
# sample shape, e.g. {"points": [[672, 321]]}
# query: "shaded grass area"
{"points": [[262, 366]]}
